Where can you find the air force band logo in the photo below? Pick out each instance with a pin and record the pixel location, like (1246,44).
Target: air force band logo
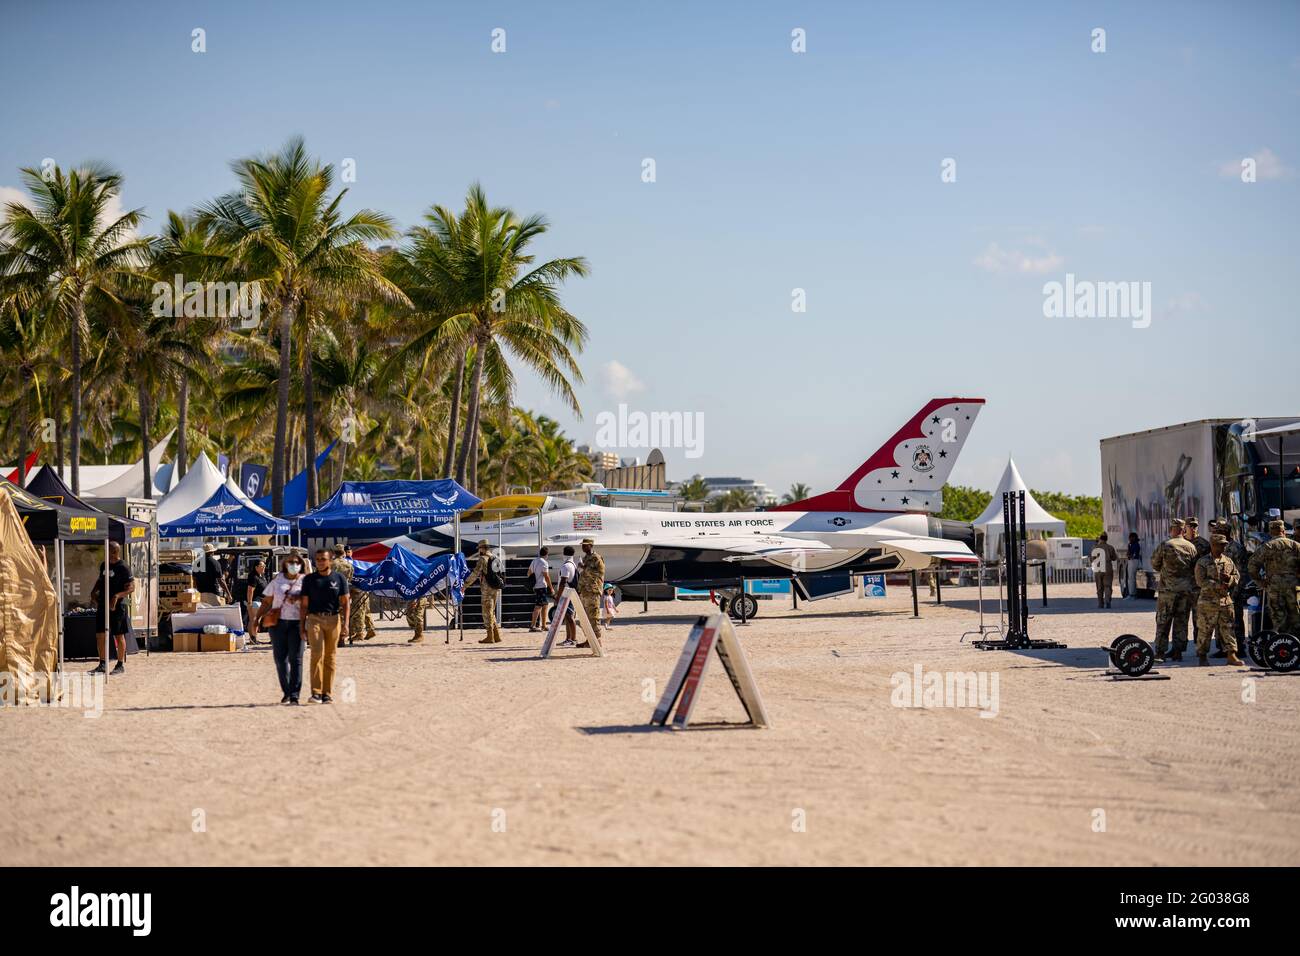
(922,459)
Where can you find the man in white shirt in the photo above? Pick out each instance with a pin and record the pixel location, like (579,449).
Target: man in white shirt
(540,571)
(568,575)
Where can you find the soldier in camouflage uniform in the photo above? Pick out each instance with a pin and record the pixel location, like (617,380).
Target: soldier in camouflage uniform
(415,617)
(591,582)
(343,565)
(1275,567)
(487,593)
(1192,532)
(1237,554)
(1216,575)
(1175,561)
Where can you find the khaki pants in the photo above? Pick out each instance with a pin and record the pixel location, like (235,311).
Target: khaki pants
(1105,581)
(323,637)
(488,603)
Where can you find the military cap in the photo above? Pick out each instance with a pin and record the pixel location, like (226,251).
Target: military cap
(1276,526)
(1176,524)
(483,545)
(1218,539)
(1192,522)
(590,541)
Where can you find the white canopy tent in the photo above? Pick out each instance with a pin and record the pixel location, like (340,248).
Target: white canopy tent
(117,481)
(1037,518)
(193,491)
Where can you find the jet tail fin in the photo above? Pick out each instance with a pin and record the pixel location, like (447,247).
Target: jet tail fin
(906,473)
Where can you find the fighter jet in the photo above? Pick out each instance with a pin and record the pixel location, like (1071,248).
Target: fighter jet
(882,517)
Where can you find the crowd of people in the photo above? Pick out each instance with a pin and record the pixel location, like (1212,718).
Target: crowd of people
(1205,581)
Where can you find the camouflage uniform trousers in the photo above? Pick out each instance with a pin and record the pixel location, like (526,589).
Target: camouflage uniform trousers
(1211,616)
(415,615)
(488,602)
(1172,608)
(359,618)
(1282,606)
(591,604)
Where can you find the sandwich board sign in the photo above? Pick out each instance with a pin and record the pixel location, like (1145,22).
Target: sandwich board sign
(563,603)
(709,634)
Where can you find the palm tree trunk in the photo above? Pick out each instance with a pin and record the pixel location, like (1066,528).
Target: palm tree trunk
(79,316)
(309,430)
(22,426)
(144,437)
(471,418)
(281,411)
(454,421)
(182,423)
(56,406)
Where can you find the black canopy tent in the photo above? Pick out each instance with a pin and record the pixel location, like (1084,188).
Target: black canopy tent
(47,522)
(47,484)
(50,524)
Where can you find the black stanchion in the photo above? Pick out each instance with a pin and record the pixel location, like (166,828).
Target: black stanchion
(1016,551)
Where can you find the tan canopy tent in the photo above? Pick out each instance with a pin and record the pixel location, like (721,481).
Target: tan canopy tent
(29,611)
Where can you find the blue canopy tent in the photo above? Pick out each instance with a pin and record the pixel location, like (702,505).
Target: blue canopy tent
(221,515)
(295,492)
(378,509)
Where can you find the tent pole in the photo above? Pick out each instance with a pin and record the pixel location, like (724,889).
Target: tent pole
(460,611)
(107,600)
(58,572)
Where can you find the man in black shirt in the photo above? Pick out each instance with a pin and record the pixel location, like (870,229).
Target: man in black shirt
(324,603)
(120,584)
(209,580)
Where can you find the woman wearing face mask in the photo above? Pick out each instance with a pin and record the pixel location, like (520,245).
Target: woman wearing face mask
(285,593)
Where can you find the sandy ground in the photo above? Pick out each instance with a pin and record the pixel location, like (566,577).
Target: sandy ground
(474,754)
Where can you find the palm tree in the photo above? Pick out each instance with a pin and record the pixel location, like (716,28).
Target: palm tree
(283,230)
(696,489)
(737,499)
(186,246)
(556,464)
(149,351)
(798,492)
(24,343)
(67,245)
(494,300)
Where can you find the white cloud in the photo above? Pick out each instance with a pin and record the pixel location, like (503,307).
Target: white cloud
(1268,165)
(112,212)
(619,380)
(996,259)
(9,194)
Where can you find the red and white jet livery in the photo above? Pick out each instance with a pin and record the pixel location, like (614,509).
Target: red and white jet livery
(881,518)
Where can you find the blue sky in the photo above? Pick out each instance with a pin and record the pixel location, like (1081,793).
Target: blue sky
(775,171)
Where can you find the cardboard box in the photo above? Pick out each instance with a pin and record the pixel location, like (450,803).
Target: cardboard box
(218,642)
(185,641)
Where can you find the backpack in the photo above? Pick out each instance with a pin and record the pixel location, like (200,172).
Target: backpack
(493,576)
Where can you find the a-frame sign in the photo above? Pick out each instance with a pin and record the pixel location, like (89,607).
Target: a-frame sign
(709,634)
(562,604)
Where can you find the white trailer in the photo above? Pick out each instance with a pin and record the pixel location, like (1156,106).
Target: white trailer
(1213,468)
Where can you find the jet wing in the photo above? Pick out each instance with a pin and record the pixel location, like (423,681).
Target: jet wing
(915,551)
